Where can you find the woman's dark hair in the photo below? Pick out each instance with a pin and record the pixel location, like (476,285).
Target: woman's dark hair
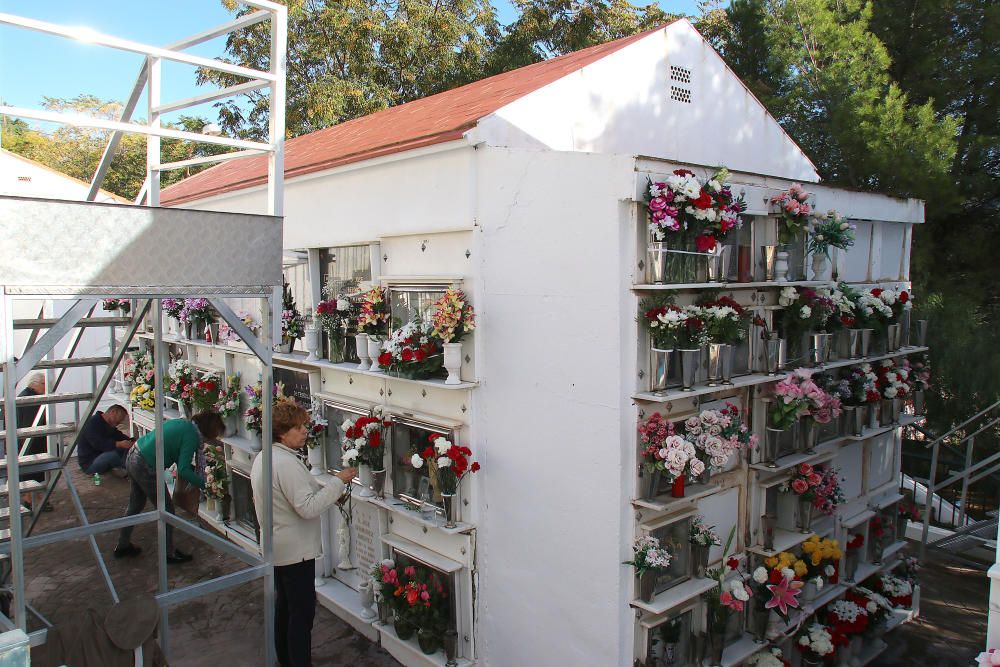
(286,416)
(209,424)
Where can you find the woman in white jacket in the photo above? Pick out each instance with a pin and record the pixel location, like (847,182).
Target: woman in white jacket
(299,500)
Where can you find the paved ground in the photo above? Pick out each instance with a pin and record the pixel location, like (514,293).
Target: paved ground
(951,629)
(221,630)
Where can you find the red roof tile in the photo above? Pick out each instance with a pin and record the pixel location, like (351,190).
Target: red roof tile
(424,122)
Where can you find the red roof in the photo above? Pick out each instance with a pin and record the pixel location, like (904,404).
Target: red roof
(424,122)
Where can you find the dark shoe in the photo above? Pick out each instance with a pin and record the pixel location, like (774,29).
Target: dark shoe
(178,557)
(129,551)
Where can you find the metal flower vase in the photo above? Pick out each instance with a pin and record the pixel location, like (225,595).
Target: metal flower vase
(772,443)
(728,364)
(646,585)
(885,412)
(808,436)
(864,344)
(450,509)
(809,590)
(768,256)
(759,618)
(775,353)
(659,368)
(699,559)
(901,524)
(803,517)
(850,343)
(851,560)
(378,483)
(919,402)
(690,365)
(768,524)
(873,422)
(891,337)
(187,329)
(651,487)
(922,333)
(657,254)
(716,641)
(716,351)
(213,332)
(450,644)
(718,264)
(856,416)
(904,328)
(819,348)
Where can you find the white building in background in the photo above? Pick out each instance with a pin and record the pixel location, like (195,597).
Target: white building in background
(526,190)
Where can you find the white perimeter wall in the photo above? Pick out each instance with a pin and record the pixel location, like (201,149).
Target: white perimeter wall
(550,408)
(622,104)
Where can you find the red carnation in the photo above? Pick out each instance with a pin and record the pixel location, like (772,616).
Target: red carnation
(703,201)
(407,354)
(904,297)
(419,355)
(475,467)
(384,359)
(877,292)
(374,438)
(683,172)
(704,243)
(428,453)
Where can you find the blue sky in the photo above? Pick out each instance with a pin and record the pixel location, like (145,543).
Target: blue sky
(34,65)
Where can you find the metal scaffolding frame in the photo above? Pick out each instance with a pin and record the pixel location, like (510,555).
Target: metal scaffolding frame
(16,279)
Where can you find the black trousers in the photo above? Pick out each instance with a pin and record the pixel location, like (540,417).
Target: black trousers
(294,613)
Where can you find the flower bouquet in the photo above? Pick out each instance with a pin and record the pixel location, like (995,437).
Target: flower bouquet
(172,307)
(730,596)
(229,397)
(898,591)
(702,539)
(447,465)
(793,211)
(253,416)
(875,605)
(718,435)
(121,305)
(205,393)
(317,425)
(411,351)
(649,559)
(373,319)
(180,384)
(421,606)
(364,446)
(806,321)
(829,232)
(216,479)
(846,617)
(822,557)
(453,317)
(228,335)
(816,643)
(142,396)
(726,321)
(665,452)
(200,314)
(771,657)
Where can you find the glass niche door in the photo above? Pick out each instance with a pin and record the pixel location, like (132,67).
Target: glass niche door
(336,414)
(669,643)
(407,302)
(409,437)
(674,535)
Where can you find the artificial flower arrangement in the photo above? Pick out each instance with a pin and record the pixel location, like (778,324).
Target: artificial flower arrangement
(892,380)
(373,318)
(879,301)
(672,327)
(364,439)
(771,657)
(216,479)
(172,307)
(731,594)
(453,317)
(197,309)
(919,372)
(816,484)
(908,569)
(794,210)
(180,381)
(821,556)
(829,232)
(843,307)
(292,325)
(205,393)
(684,206)
(139,368)
(846,617)
(875,605)
(142,396)
(799,396)
(412,351)
(702,535)
(226,332)
(124,305)
(726,321)
(447,464)
(333,314)
(899,592)
(816,642)
(778,583)
(228,403)
(648,555)
(665,451)
(253,416)
(895,301)
(317,424)
(420,599)
(717,435)
(863,384)
(805,310)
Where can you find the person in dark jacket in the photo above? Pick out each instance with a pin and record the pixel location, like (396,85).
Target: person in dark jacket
(102,447)
(181,441)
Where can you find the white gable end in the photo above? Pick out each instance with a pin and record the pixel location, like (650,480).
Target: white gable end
(668,95)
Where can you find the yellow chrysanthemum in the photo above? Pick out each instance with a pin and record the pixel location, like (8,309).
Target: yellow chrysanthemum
(771,562)
(800,568)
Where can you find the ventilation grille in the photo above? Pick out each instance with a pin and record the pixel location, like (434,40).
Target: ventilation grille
(680,94)
(680,74)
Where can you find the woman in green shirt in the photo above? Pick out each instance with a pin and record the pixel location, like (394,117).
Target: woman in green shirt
(181,441)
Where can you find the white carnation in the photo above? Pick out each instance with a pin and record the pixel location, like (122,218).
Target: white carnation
(416,461)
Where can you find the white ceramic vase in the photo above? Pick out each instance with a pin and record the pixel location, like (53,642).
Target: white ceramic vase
(453,362)
(374,349)
(361,342)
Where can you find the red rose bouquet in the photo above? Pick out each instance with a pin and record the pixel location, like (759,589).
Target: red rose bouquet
(447,463)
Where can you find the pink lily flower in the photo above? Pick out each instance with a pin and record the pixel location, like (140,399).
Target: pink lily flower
(783,595)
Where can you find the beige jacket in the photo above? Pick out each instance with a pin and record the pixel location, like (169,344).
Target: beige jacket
(299,500)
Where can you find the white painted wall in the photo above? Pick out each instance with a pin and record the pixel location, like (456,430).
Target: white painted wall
(549,412)
(26,178)
(622,104)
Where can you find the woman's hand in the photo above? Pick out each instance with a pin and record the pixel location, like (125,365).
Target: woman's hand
(347,474)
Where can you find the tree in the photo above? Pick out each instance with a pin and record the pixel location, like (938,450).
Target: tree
(76,151)
(352,58)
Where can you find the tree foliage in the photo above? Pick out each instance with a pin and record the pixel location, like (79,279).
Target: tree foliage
(76,151)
